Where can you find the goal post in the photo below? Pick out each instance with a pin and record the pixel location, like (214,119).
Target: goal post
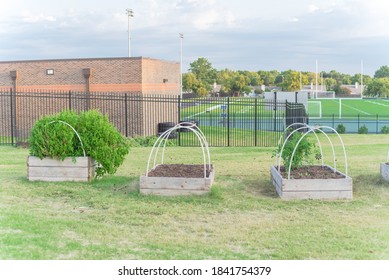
(340,108)
(315,106)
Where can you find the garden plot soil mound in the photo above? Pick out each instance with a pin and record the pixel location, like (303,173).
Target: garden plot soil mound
(311,172)
(179,170)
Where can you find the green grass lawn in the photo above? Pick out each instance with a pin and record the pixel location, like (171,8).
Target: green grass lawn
(350,107)
(240,108)
(242,217)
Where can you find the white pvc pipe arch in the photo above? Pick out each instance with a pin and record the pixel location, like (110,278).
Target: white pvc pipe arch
(78,136)
(311,129)
(162,140)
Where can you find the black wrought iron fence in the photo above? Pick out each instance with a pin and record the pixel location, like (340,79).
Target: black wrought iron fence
(224,121)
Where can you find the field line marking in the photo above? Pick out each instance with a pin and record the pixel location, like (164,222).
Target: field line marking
(377,103)
(207,110)
(351,107)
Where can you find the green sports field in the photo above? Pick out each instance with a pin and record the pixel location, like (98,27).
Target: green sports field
(365,108)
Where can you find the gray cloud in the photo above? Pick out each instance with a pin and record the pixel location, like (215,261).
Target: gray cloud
(250,35)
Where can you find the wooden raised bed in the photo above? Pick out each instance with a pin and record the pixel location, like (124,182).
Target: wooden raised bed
(177,179)
(166,185)
(312,181)
(329,188)
(384,171)
(82,169)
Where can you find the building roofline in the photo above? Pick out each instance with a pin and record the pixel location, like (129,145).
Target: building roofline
(84,59)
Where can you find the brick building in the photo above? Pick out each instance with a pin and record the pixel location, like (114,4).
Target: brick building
(137,75)
(136,93)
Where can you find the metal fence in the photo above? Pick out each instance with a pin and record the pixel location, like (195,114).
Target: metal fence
(224,121)
(374,124)
(239,121)
(132,115)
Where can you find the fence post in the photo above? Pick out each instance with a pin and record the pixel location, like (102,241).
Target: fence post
(228,121)
(70,100)
(376,125)
(126,113)
(333,121)
(255,121)
(275,111)
(12,117)
(179,119)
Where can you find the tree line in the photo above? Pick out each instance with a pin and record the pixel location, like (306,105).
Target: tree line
(202,80)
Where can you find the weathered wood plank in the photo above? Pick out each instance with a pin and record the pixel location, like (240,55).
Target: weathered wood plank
(340,188)
(175,185)
(67,162)
(167,192)
(318,195)
(53,170)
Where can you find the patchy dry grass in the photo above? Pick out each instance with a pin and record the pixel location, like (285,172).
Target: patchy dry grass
(242,217)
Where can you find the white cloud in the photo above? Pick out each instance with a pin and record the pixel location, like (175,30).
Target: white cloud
(30,17)
(313,8)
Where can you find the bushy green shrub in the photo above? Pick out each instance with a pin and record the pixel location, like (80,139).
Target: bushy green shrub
(341,129)
(100,139)
(302,153)
(147,141)
(51,138)
(363,130)
(385,130)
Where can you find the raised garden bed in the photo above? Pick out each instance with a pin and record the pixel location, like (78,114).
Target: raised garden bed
(384,171)
(312,182)
(308,181)
(177,179)
(79,169)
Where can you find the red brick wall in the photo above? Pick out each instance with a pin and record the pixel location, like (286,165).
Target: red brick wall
(133,75)
(156,77)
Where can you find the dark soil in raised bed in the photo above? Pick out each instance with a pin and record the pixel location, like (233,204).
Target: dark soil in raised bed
(311,172)
(179,170)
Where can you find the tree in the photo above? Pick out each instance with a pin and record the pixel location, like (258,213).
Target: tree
(330,83)
(383,72)
(189,82)
(204,72)
(292,81)
(234,83)
(254,77)
(224,78)
(240,84)
(346,80)
(378,88)
(268,77)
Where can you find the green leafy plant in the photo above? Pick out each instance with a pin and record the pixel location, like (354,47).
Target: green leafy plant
(363,130)
(341,129)
(302,153)
(147,141)
(385,130)
(52,137)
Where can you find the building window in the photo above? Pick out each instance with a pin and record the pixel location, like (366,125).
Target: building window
(49,71)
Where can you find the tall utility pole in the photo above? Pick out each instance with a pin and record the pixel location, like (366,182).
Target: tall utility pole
(362,78)
(317,70)
(181,38)
(130,13)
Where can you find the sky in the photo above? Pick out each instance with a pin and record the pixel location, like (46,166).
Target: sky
(349,36)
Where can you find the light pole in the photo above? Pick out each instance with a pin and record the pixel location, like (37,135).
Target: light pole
(361,78)
(181,38)
(130,13)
